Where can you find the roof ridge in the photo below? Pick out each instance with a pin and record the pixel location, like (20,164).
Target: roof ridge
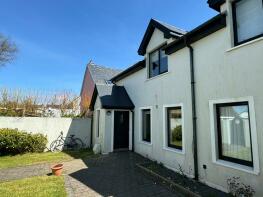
(104,67)
(169,31)
(167,24)
(102,74)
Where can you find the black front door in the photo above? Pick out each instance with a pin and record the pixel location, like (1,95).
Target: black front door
(121,129)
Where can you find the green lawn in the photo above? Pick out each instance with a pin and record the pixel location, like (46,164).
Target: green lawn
(42,186)
(237,151)
(177,143)
(37,158)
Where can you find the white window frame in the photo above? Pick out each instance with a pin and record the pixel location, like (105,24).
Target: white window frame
(165,142)
(140,125)
(214,138)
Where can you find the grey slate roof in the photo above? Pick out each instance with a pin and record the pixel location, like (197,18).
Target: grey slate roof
(172,28)
(169,31)
(114,97)
(101,74)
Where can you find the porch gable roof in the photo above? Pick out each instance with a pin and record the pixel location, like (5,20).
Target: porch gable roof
(114,97)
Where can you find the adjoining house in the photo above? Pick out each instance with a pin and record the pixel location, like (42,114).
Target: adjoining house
(195,100)
(94,74)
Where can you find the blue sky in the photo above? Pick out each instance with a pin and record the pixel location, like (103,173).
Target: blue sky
(57,38)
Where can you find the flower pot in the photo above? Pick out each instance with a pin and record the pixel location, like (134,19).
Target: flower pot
(57,169)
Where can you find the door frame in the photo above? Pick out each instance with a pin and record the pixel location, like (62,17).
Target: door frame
(130,128)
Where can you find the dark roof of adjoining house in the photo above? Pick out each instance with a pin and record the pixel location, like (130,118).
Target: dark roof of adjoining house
(214,24)
(101,74)
(132,69)
(114,97)
(215,4)
(168,30)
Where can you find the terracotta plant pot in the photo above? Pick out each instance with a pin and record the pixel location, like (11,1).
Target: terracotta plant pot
(57,169)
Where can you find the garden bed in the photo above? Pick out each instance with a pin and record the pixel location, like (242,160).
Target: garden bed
(179,182)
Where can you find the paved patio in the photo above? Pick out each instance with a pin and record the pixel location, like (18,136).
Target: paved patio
(113,175)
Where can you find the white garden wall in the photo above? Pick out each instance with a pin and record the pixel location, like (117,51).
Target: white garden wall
(51,127)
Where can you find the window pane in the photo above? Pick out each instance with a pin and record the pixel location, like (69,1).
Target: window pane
(154,64)
(235,131)
(163,62)
(249,19)
(98,123)
(174,125)
(146,125)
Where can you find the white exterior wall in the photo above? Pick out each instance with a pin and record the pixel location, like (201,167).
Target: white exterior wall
(101,124)
(106,124)
(171,88)
(222,72)
(51,127)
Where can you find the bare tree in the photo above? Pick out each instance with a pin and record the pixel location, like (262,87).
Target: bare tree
(37,103)
(68,103)
(8,50)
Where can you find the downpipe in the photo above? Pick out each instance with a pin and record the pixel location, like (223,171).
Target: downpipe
(194,117)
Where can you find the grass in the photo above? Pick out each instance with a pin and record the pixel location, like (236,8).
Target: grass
(177,143)
(37,158)
(41,186)
(237,151)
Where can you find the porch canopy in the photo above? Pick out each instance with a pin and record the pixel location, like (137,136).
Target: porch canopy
(114,97)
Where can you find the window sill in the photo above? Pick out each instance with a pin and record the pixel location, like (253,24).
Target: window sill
(245,44)
(146,143)
(181,152)
(157,76)
(236,166)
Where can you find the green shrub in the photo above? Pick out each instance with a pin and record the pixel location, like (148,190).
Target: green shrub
(177,133)
(14,142)
(11,113)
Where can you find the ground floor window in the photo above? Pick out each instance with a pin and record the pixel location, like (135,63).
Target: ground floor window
(98,124)
(234,132)
(174,127)
(146,125)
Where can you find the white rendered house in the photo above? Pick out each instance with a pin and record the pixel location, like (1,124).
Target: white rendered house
(195,100)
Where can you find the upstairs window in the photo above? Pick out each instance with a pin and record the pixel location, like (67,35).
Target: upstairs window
(247,20)
(158,63)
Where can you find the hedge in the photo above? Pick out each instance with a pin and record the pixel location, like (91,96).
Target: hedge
(177,133)
(13,141)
